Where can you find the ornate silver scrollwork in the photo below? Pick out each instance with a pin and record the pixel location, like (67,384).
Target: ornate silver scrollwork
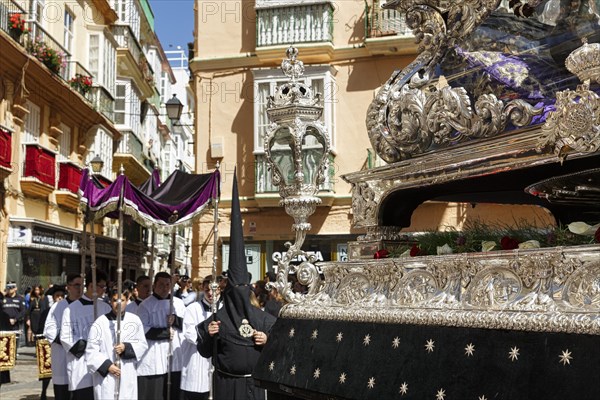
(575,125)
(410,114)
(419,118)
(295,136)
(546,290)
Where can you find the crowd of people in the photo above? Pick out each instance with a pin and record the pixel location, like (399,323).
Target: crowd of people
(166,340)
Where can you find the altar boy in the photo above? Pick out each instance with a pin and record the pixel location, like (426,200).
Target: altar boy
(101,351)
(77,320)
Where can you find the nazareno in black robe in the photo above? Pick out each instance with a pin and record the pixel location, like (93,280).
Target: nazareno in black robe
(235,355)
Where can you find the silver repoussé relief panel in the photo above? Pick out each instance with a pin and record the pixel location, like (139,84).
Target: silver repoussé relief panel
(549,290)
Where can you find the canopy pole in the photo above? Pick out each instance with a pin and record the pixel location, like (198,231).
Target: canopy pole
(173,218)
(83,245)
(152,248)
(119,286)
(214,284)
(93,266)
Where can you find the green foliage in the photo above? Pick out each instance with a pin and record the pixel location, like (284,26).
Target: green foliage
(474,233)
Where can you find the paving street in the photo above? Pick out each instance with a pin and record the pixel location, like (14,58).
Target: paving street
(24,383)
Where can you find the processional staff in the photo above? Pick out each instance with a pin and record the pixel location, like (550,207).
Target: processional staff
(119,284)
(172,220)
(214,285)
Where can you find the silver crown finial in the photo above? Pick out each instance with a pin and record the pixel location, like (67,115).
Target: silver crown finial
(292,67)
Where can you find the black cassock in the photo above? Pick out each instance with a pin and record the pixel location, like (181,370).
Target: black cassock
(236,355)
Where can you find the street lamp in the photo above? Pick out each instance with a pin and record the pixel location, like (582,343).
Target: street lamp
(97,164)
(174,109)
(297,146)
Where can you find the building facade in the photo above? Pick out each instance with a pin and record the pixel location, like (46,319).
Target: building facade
(349,49)
(78,80)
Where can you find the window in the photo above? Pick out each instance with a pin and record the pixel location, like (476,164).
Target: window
(102,146)
(32,124)
(166,153)
(36,11)
(68,39)
(129,14)
(163,86)
(322,81)
(102,58)
(65,143)
(120,101)
(127,106)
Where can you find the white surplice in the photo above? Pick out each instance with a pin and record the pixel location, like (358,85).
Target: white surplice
(153,313)
(100,354)
(52,333)
(194,375)
(78,318)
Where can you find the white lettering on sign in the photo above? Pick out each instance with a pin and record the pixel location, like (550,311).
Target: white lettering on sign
(277,255)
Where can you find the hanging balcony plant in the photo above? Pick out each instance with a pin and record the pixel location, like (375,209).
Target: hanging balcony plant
(51,58)
(81,83)
(17,26)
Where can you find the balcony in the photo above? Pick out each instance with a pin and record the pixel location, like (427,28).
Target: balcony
(5,152)
(308,26)
(131,60)
(69,177)
(130,154)
(39,35)
(102,101)
(267,194)
(76,68)
(387,32)
(39,171)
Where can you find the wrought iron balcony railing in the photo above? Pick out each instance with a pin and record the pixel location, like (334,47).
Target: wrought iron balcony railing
(294,24)
(8,8)
(103,101)
(75,67)
(37,35)
(130,144)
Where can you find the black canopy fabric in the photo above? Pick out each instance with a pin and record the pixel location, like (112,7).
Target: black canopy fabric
(175,203)
(151,184)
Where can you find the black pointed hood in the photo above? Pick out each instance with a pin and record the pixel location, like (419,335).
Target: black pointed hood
(236,297)
(237,273)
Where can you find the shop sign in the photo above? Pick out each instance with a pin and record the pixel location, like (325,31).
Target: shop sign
(105,247)
(52,238)
(277,255)
(342,251)
(19,234)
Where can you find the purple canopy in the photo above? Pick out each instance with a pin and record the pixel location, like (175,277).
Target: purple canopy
(174,204)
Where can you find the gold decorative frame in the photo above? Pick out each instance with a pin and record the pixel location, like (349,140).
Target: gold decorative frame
(44,359)
(8,350)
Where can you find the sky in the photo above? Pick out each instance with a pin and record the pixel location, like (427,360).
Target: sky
(173,22)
